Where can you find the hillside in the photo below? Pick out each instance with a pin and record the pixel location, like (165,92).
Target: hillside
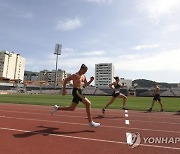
(149,83)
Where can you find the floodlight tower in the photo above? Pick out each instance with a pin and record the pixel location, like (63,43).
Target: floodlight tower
(57,52)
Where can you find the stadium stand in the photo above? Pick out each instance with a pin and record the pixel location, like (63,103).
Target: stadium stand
(140,91)
(100,92)
(174,92)
(150,92)
(109,91)
(10,88)
(167,93)
(89,90)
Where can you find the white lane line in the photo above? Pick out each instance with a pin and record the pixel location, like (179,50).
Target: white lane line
(78,112)
(115,127)
(47,114)
(128,135)
(171,123)
(83,138)
(74,116)
(58,135)
(127,122)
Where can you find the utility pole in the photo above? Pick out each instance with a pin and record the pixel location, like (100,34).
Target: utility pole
(57,52)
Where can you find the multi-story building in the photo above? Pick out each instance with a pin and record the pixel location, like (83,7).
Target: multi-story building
(50,76)
(12,65)
(104,73)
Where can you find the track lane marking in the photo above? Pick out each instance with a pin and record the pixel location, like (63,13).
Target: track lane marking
(83,138)
(94,112)
(106,126)
(64,115)
(127,122)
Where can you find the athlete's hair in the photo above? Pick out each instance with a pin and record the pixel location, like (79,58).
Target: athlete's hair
(116,77)
(83,66)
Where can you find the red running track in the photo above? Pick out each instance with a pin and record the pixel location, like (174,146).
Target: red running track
(30,129)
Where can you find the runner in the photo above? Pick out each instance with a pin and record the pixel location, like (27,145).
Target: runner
(156,98)
(79,79)
(115,86)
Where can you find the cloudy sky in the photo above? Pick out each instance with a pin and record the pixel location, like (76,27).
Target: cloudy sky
(140,37)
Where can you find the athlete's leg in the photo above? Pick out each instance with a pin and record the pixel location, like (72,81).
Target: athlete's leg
(152,104)
(124,99)
(66,108)
(87,103)
(161,105)
(69,108)
(110,102)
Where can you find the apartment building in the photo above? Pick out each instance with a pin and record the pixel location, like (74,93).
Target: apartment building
(50,76)
(104,73)
(12,65)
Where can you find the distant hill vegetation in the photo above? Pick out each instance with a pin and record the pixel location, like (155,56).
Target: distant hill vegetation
(148,83)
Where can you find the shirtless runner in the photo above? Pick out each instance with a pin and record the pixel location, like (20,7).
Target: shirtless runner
(79,79)
(156,98)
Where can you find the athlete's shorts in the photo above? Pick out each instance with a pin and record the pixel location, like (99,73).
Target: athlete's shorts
(157,97)
(77,95)
(115,94)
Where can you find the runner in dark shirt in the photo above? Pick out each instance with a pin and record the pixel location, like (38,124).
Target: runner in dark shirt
(116,86)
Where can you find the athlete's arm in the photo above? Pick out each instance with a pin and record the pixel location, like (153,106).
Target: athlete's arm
(123,85)
(65,82)
(89,82)
(111,86)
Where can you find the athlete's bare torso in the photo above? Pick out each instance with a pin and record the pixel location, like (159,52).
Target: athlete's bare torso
(78,80)
(156,89)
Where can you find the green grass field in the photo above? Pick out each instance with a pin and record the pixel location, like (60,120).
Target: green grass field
(133,103)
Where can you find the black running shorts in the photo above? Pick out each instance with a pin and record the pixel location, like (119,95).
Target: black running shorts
(77,95)
(114,94)
(157,97)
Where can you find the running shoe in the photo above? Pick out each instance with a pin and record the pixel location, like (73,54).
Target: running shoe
(54,109)
(103,110)
(94,124)
(149,110)
(161,110)
(124,108)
